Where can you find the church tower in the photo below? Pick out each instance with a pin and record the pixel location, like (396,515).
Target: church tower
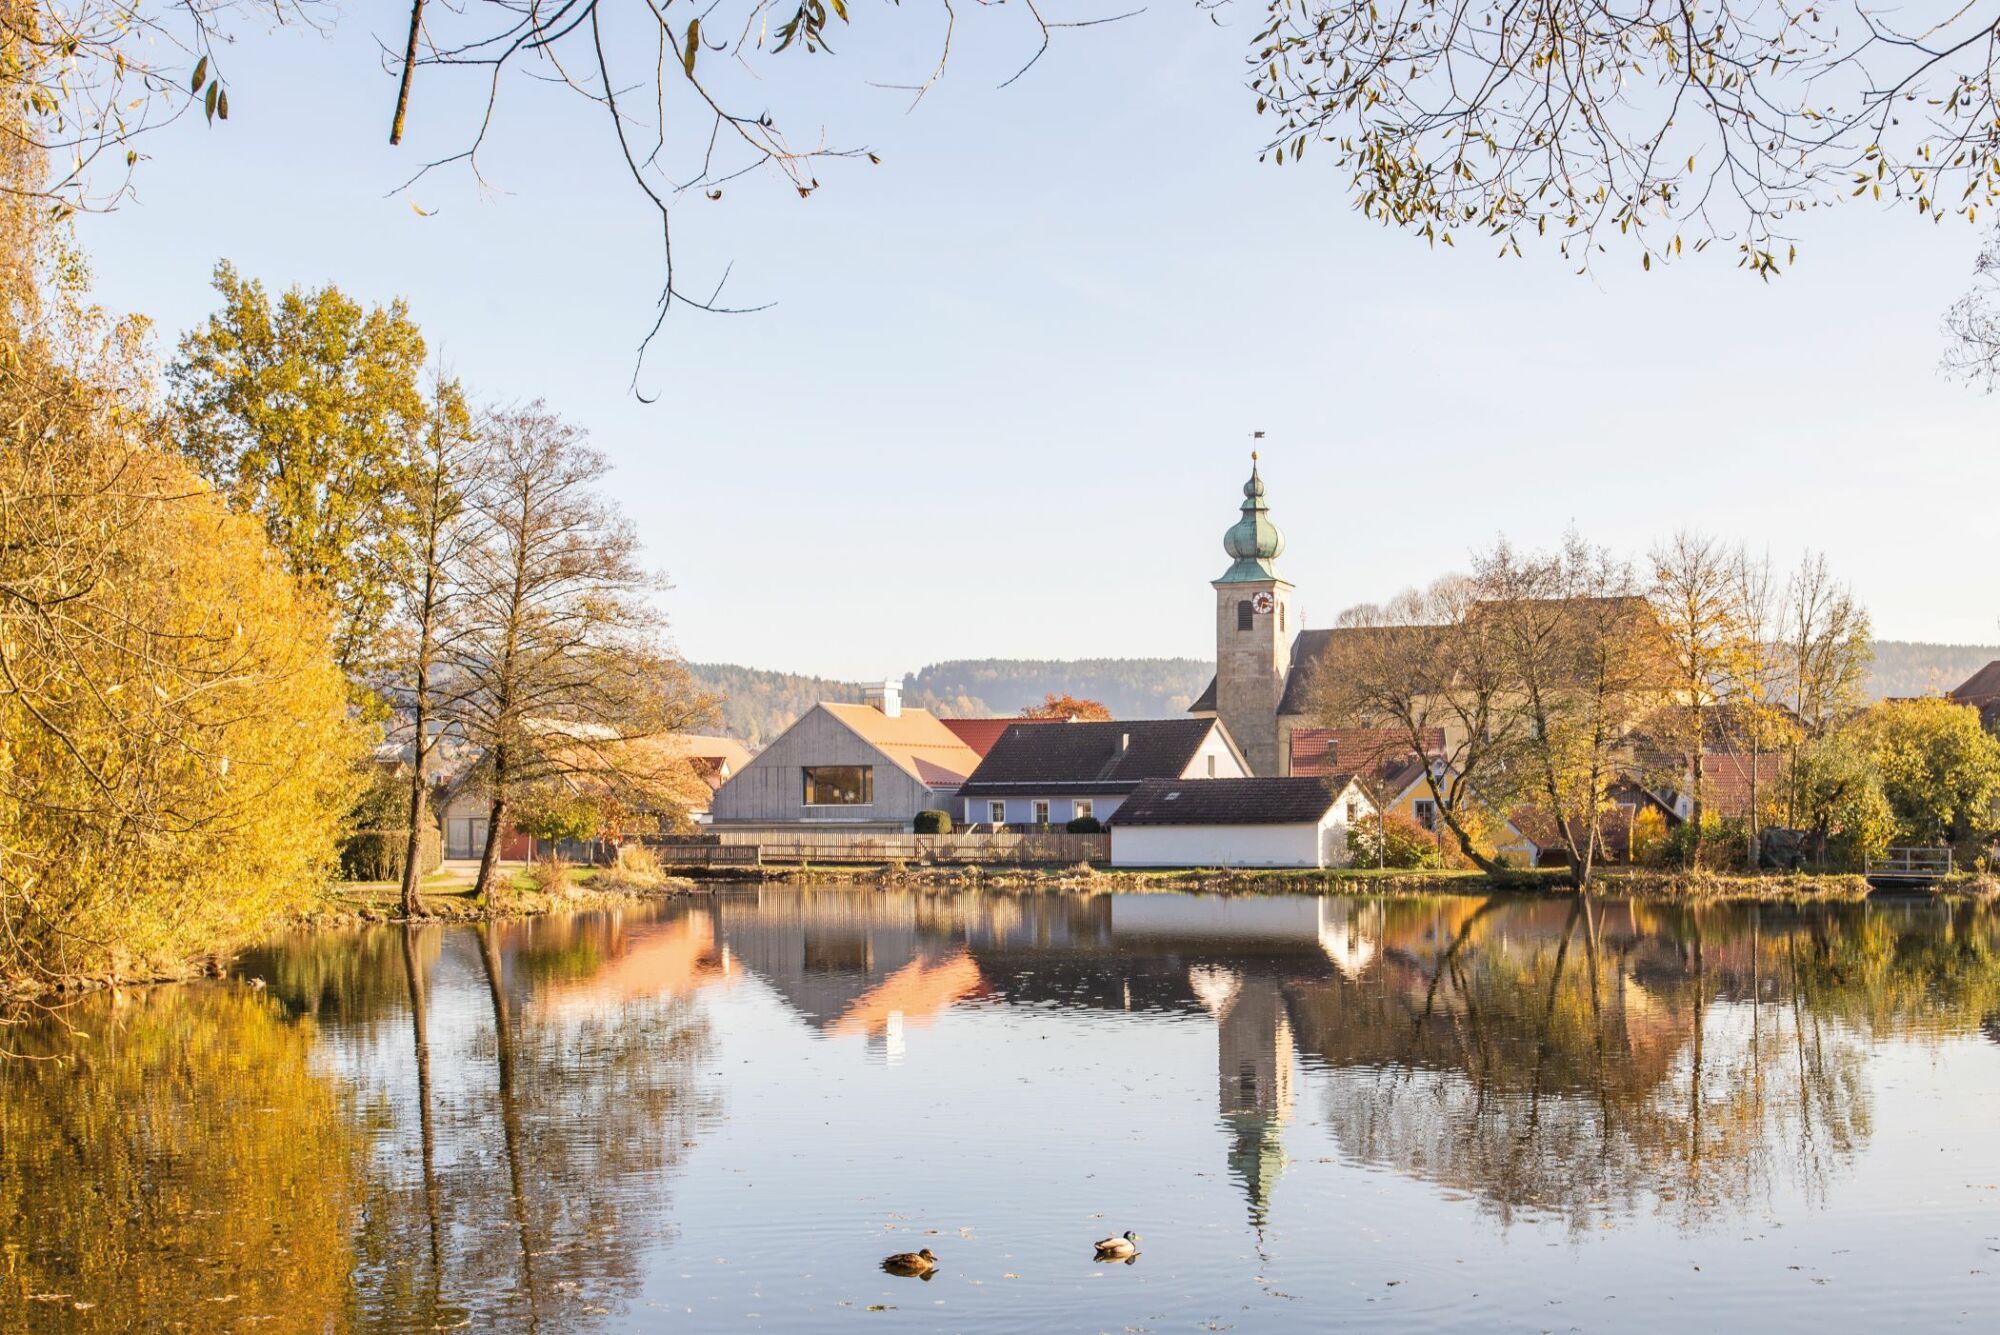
(1254,625)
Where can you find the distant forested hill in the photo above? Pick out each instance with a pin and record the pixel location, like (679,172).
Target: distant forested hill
(1904,667)
(758,705)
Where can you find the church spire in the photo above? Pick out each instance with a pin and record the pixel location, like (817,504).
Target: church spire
(1253,541)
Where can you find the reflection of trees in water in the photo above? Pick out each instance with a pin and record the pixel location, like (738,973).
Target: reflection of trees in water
(1582,1059)
(548,1172)
(173,1162)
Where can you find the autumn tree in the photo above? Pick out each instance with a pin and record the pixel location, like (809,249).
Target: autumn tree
(1659,130)
(1067,706)
(1825,651)
(1426,662)
(1582,664)
(1694,600)
(1939,768)
(174,749)
(444,529)
(562,663)
(309,413)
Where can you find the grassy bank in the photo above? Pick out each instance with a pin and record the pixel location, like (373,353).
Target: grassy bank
(1674,886)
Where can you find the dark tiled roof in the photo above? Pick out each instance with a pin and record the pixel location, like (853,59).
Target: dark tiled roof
(1308,652)
(1982,687)
(1230,801)
(1086,757)
(1205,702)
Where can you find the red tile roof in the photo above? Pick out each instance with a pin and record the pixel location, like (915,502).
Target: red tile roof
(1726,780)
(1370,751)
(981,733)
(1982,687)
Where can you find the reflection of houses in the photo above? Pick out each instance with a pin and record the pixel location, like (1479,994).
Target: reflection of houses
(869,766)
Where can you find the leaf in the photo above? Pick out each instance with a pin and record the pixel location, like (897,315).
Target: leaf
(693,43)
(200,75)
(222,104)
(840,8)
(208,102)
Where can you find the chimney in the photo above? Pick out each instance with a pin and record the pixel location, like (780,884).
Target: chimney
(888,697)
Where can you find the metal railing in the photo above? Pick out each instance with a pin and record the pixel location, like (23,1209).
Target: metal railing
(1912,864)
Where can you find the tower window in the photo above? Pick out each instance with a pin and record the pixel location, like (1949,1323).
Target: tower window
(1244,614)
(1281,616)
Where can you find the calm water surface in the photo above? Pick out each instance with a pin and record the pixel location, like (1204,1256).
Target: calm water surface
(721,1113)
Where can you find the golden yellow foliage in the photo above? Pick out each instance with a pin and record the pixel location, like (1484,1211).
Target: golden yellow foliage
(174,1163)
(175,752)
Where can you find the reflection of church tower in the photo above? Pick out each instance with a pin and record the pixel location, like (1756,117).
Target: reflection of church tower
(1253,1081)
(1254,625)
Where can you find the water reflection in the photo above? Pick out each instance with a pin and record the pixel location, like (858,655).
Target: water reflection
(491,1127)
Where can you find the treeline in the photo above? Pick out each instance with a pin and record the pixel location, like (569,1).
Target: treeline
(758,704)
(217,590)
(1564,680)
(1910,668)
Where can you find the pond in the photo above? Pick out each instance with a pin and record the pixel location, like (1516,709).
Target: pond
(723,1112)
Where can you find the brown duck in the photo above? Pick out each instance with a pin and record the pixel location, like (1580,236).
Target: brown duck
(919,1264)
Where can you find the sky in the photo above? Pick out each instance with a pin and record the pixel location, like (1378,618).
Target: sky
(1000,403)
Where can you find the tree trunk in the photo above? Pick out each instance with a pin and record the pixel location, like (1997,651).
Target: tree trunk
(489,856)
(419,813)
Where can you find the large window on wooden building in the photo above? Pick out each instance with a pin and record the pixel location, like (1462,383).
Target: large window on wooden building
(840,785)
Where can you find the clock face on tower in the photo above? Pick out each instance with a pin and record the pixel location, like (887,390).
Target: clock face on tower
(1264,602)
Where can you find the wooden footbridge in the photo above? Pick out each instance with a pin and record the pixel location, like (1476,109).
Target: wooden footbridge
(1909,868)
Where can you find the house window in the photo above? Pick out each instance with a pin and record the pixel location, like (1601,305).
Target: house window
(1427,814)
(840,785)
(996,812)
(1211,764)
(1085,808)
(1353,811)
(1041,811)
(1245,615)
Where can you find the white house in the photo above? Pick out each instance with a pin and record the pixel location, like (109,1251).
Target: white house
(1238,822)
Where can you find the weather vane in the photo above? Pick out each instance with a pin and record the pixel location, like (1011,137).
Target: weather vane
(1255,435)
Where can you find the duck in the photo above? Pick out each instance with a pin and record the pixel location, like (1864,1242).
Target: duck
(1118,1248)
(919,1263)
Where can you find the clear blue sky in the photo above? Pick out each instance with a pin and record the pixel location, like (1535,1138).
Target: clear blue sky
(1001,406)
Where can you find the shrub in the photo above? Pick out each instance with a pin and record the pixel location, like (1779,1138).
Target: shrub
(932,822)
(1725,844)
(378,836)
(1085,825)
(1408,845)
(550,875)
(637,866)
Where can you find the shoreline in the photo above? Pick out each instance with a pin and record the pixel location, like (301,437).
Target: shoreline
(349,906)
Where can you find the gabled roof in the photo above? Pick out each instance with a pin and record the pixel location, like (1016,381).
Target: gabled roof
(1231,801)
(1086,758)
(911,739)
(1982,687)
(1370,751)
(981,733)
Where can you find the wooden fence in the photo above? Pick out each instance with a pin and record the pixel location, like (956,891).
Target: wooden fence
(752,848)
